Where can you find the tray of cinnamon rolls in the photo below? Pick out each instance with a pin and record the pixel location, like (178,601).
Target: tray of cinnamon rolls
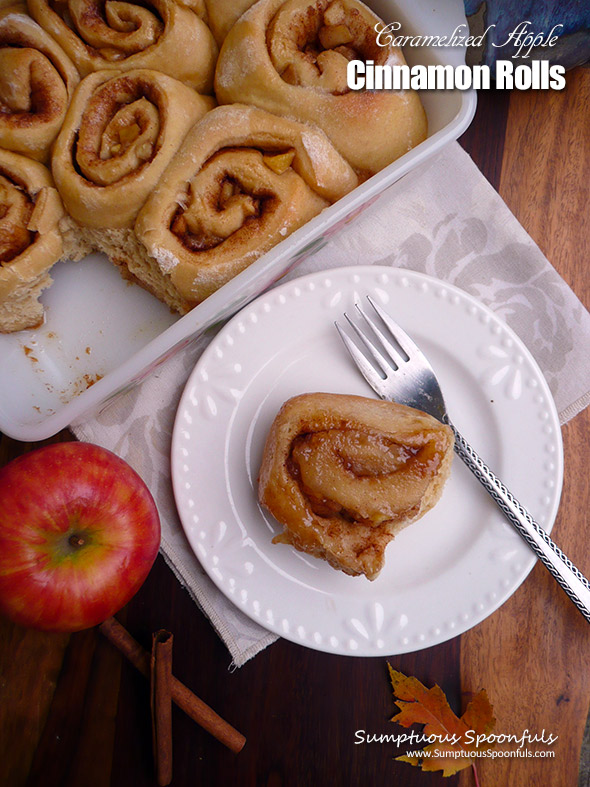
(196,149)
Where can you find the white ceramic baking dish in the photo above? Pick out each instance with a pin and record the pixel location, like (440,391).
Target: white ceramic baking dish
(102,335)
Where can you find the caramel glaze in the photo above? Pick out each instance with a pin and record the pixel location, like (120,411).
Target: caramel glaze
(344,474)
(15,211)
(388,460)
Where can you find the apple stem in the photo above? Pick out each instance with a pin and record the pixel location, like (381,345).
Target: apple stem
(76,540)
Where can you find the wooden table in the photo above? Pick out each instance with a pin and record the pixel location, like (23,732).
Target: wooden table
(73,714)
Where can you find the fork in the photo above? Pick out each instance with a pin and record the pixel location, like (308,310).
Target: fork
(403,374)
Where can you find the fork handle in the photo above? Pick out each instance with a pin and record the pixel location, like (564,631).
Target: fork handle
(559,565)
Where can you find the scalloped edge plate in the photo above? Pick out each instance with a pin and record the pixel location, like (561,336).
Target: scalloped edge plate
(445,573)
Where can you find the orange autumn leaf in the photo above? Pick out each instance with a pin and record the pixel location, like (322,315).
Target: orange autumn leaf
(453,746)
(479,714)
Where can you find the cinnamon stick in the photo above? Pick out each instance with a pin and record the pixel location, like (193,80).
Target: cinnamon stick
(194,707)
(161,704)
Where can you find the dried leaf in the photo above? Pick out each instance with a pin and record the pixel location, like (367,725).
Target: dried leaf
(452,746)
(479,714)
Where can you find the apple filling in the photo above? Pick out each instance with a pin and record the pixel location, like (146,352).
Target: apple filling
(312,44)
(121,130)
(361,476)
(236,190)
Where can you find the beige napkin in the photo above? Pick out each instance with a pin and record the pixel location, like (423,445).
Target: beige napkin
(443,219)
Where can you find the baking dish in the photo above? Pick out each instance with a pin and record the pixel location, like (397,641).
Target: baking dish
(102,335)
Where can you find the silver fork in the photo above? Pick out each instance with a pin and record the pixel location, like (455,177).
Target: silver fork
(403,374)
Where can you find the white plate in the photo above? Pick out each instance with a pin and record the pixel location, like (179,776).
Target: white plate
(443,574)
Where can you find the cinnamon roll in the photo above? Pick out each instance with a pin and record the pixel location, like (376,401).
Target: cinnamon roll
(37,80)
(165,35)
(120,133)
(343,474)
(242,181)
(30,242)
(291,56)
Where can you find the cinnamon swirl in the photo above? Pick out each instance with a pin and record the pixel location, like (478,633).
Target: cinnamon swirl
(37,80)
(242,181)
(343,474)
(30,242)
(120,133)
(291,56)
(164,35)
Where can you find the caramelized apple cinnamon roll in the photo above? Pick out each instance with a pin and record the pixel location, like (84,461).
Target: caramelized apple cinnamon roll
(120,133)
(30,242)
(164,35)
(37,80)
(343,474)
(291,57)
(242,181)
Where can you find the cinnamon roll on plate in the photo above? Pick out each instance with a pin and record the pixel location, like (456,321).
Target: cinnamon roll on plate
(344,474)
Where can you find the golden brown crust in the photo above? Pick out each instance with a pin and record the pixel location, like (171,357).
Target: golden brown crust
(242,181)
(120,133)
(30,242)
(164,35)
(344,474)
(290,57)
(222,14)
(37,80)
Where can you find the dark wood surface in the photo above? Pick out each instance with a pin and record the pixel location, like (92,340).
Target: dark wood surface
(73,713)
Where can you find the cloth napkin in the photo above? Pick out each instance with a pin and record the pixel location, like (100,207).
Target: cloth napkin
(443,219)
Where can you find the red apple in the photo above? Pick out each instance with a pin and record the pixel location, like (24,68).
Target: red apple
(79,532)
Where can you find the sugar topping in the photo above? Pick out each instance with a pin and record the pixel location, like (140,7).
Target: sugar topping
(165,259)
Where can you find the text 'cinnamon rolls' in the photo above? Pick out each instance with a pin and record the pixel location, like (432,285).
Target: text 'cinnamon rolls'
(242,181)
(37,80)
(164,35)
(343,474)
(291,57)
(30,242)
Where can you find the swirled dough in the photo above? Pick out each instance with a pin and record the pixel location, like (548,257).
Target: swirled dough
(242,181)
(30,241)
(343,474)
(37,80)
(119,135)
(291,56)
(165,35)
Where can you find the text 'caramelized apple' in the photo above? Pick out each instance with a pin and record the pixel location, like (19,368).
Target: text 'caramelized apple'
(344,474)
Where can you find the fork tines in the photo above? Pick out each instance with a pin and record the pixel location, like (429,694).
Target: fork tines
(409,347)
(371,375)
(385,354)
